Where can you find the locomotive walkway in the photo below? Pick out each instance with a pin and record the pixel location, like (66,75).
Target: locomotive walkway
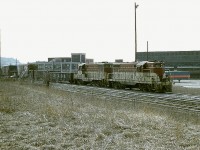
(178,101)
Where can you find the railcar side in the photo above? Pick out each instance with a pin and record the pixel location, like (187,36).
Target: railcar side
(94,74)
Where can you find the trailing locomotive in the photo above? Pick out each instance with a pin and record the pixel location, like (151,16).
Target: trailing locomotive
(147,76)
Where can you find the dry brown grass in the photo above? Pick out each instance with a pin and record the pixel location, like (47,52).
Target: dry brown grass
(36,117)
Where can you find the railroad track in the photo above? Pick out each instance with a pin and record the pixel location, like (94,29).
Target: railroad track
(177,101)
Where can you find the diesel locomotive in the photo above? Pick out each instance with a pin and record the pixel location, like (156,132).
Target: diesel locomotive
(145,75)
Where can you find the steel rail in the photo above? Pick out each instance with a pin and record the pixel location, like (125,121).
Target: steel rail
(178,101)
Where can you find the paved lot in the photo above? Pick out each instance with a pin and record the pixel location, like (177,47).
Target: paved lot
(188,83)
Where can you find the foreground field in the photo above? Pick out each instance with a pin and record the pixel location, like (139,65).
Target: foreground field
(36,117)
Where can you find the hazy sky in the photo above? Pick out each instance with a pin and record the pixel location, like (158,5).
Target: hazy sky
(34,30)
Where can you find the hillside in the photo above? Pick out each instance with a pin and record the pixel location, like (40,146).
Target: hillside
(8,61)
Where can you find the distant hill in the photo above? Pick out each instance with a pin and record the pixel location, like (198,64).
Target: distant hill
(8,61)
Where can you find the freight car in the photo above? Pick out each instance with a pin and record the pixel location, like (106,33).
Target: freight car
(178,75)
(58,71)
(147,76)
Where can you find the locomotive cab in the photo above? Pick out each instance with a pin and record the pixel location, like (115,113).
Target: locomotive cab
(153,74)
(81,69)
(141,66)
(156,67)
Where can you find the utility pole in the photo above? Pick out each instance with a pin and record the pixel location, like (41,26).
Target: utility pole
(0,54)
(136,6)
(147,50)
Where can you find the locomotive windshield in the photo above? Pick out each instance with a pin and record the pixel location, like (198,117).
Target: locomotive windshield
(81,67)
(156,64)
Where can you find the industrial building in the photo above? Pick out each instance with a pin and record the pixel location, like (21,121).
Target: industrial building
(175,60)
(75,57)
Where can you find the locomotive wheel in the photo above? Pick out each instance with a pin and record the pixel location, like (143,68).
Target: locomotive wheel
(93,83)
(149,87)
(110,85)
(115,85)
(145,87)
(119,86)
(123,87)
(164,90)
(140,87)
(80,82)
(100,84)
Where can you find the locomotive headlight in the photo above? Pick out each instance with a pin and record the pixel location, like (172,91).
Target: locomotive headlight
(79,72)
(164,75)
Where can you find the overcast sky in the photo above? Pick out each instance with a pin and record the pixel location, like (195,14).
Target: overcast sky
(33,30)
